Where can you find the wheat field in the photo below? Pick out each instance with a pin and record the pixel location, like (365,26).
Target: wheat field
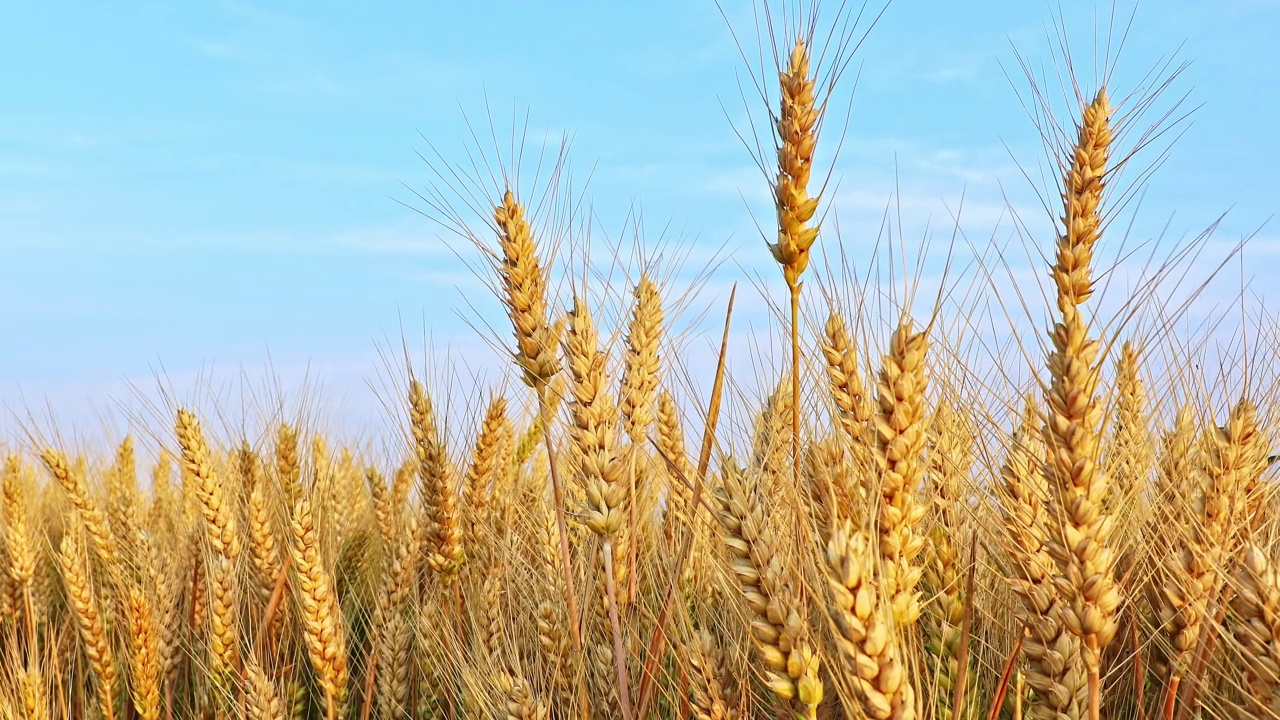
(888,527)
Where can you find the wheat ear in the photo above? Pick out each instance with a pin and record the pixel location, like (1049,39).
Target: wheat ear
(951,441)
(524,282)
(777,626)
(601,471)
(89,620)
(867,634)
(445,553)
(72,479)
(223,541)
(901,437)
(1257,629)
(1081,545)
(144,660)
(1051,652)
(262,701)
(18,540)
(322,624)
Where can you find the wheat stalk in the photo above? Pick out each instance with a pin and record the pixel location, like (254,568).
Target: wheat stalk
(797,128)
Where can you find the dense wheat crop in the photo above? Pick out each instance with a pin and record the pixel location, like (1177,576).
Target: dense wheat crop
(901,530)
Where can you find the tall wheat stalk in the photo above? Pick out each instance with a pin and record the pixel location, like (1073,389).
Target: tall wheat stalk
(797,123)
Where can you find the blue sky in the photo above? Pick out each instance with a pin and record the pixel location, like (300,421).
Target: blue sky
(209,187)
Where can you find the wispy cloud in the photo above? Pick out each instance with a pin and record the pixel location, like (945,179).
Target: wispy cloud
(220,50)
(959,67)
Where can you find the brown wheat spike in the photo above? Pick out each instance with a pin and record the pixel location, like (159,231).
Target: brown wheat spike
(380,496)
(1080,544)
(223,540)
(601,472)
(773,430)
(1177,489)
(17,536)
(520,703)
(480,492)
(9,603)
(950,463)
(322,623)
(1208,540)
(829,476)
(122,495)
(797,128)
(392,621)
(445,553)
(72,480)
(33,697)
(797,137)
(171,580)
(844,378)
(524,281)
(263,550)
(1129,455)
(900,426)
(636,396)
(402,485)
(288,463)
(1257,630)
(867,634)
(594,427)
(505,488)
(675,459)
(160,514)
(88,618)
(640,370)
(553,639)
(262,701)
(144,660)
(1178,469)
(1242,446)
(706,669)
(777,626)
(1051,652)
(492,619)
(1231,505)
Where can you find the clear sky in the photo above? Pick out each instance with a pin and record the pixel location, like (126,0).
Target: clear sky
(206,186)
